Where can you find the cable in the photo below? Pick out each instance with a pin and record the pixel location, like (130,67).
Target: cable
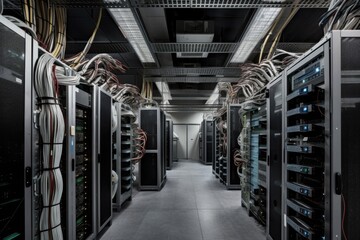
(343,216)
(52,128)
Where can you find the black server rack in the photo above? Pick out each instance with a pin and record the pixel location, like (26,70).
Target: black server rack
(169,144)
(201,144)
(152,168)
(245,170)
(104,158)
(15,125)
(322,114)
(123,154)
(345,134)
(306,157)
(207,139)
(258,154)
(233,130)
(275,159)
(253,150)
(222,159)
(83,200)
(216,149)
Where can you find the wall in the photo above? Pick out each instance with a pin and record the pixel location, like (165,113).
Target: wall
(188,145)
(186,117)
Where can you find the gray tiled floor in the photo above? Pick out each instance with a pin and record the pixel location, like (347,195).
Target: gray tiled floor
(193,205)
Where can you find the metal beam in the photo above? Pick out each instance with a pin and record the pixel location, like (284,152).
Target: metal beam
(189,3)
(183,98)
(193,72)
(194,47)
(192,79)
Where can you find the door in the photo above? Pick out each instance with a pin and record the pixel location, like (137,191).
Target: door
(193,142)
(181,131)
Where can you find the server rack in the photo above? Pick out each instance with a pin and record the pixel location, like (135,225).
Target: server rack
(82,191)
(275,158)
(201,145)
(152,168)
(15,154)
(345,89)
(234,128)
(258,154)
(307,149)
(104,157)
(245,171)
(223,168)
(216,149)
(322,90)
(169,143)
(207,141)
(123,154)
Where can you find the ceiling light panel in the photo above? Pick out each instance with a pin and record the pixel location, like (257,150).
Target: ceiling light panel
(259,26)
(128,25)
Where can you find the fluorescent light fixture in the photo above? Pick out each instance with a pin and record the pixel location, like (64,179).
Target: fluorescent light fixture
(128,25)
(214,96)
(255,32)
(164,91)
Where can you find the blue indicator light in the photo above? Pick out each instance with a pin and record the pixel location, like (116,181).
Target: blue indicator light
(303,81)
(317,69)
(305,90)
(305,149)
(305,109)
(305,127)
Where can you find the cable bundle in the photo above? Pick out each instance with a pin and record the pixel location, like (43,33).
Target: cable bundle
(139,139)
(49,23)
(342,15)
(48,77)
(52,127)
(256,76)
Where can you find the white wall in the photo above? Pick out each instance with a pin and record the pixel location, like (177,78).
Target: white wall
(186,117)
(188,146)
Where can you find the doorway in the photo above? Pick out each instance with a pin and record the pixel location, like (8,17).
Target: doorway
(188,144)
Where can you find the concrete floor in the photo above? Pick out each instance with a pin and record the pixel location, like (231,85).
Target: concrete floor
(193,205)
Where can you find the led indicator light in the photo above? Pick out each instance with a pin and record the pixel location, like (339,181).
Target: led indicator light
(305,90)
(317,69)
(305,109)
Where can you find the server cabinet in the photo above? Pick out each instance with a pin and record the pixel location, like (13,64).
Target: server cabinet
(169,143)
(216,149)
(274,159)
(234,128)
(207,141)
(84,193)
(307,158)
(104,157)
(15,125)
(345,164)
(123,154)
(152,168)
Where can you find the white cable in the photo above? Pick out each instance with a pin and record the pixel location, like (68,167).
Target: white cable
(52,127)
(114,122)
(114,183)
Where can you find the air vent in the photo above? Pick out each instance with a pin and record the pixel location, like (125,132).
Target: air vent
(192,55)
(194,32)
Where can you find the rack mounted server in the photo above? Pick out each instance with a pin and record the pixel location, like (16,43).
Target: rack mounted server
(234,127)
(321,112)
(123,154)
(169,144)
(207,136)
(152,168)
(275,168)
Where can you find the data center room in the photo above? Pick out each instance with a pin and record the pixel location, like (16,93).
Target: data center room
(179,119)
